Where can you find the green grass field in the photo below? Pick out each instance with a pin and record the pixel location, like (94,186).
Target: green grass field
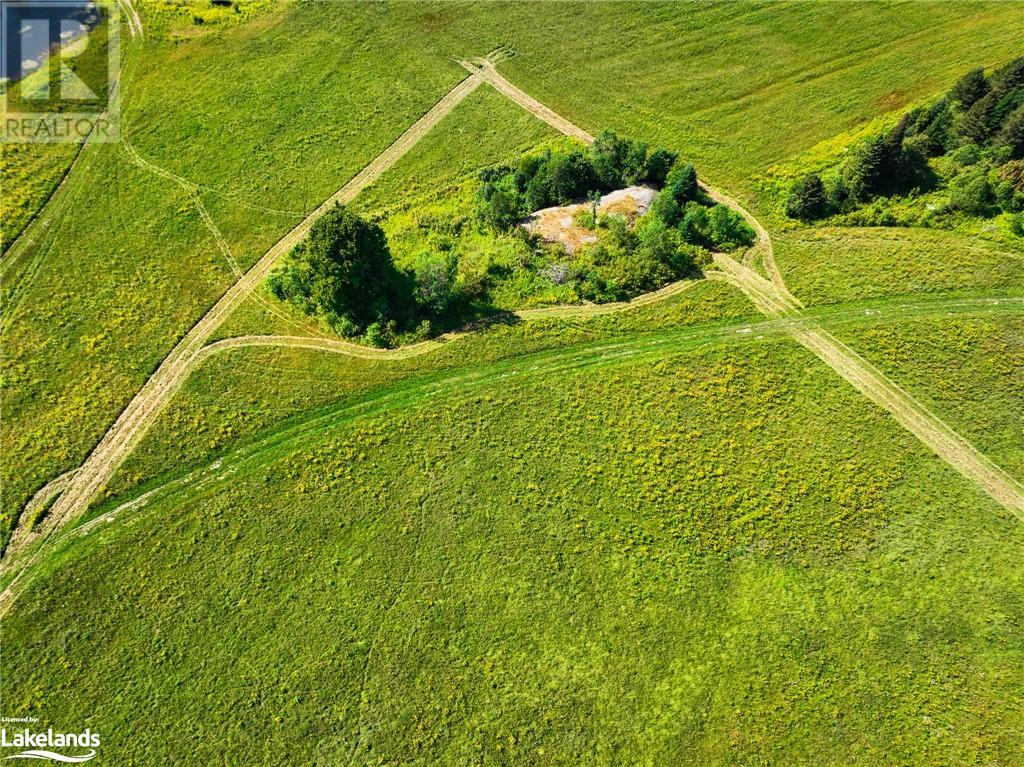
(663,535)
(29,173)
(970,370)
(832,265)
(429,595)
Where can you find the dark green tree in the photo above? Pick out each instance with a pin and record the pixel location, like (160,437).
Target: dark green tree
(499,202)
(659,163)
(1008,77)
(682,182)
(1012,134)
(608,155)
(865,175)
(969,88)
(806,199)
(570,176)
(343,269)
(635,167)
(975,126)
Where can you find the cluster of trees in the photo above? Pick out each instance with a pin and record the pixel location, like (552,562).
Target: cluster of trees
(978,126)
(681,205)
(343,275)
(508,193)
(666,243)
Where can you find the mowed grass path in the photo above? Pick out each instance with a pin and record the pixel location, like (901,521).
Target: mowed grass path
(296,139)
(445,586)
(970,369)
(129,266)
(720,555)
(736,87)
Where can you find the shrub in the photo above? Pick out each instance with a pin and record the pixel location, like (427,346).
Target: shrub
(682,182)
(806,199)
(971,192)
(659,163)
(665,208)
(693,227)
(665,245)
(375,336)
(435,282)
(728,229)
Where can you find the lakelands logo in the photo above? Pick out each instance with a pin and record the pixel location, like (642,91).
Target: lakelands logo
(39,745)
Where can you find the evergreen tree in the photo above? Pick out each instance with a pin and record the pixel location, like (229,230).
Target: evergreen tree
(807,199)
(969,88)
(1012,134)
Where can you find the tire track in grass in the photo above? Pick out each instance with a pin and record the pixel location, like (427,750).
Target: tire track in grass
(769,295)
(150,401)
(486,69)
(193,191)
(774,300)
(466,383)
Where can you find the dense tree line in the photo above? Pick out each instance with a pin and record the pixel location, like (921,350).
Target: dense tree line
(978,126)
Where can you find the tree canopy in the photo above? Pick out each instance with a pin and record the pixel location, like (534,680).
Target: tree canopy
(342,273)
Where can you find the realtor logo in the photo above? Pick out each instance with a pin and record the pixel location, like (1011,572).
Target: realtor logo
(59,70)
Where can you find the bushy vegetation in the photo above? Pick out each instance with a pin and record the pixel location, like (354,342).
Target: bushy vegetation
(668,242)
(332,568)
(170,16)
(344,275)
(697,220)
(508,193)
(969,144)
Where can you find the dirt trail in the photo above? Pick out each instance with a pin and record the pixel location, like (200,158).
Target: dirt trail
(147,404)
(134,22)
(762,249)
(769,295)
(773,298)
(21,570)
(485,69)
(873,384)
(423,347)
